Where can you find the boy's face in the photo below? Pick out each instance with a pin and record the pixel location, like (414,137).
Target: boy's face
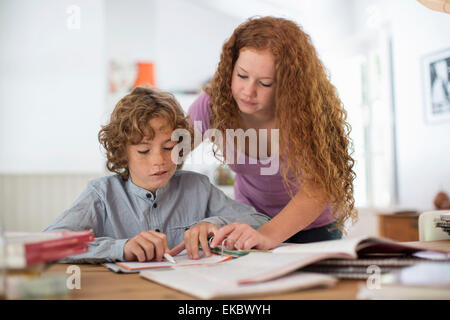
(149,161)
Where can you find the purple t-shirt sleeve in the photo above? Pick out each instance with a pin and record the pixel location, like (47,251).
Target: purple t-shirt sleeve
(200,111)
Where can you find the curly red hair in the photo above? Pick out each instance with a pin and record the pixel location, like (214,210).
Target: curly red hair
(314,130)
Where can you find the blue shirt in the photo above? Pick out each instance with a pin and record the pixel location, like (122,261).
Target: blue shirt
(118,210)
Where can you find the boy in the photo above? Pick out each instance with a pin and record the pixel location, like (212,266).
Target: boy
(148,206)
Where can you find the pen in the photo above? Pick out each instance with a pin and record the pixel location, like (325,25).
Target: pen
(169,258)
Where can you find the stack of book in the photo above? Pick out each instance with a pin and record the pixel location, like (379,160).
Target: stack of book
(25,249)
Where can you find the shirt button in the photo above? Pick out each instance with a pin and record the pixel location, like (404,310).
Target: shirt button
(149,195)
(155,205)
(157,230)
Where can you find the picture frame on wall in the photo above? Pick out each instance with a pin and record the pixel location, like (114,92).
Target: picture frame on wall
(436,72)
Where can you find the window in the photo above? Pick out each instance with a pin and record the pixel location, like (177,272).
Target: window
(364,82)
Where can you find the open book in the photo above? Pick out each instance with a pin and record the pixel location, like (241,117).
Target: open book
(264,272)
(295,256)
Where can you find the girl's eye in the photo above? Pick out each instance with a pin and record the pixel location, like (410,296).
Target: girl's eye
(242,76)
(143,152)
(266,85)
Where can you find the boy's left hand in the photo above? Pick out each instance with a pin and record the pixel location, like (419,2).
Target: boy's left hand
(193,236)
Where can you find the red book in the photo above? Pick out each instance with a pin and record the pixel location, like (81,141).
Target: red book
(24,248)
(45,240)
(56,254)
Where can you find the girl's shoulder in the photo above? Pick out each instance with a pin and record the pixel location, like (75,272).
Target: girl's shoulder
(200,111)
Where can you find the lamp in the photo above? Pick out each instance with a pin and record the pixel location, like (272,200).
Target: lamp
(437,5)
(145,74)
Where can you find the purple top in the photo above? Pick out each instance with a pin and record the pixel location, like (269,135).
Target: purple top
(266,193)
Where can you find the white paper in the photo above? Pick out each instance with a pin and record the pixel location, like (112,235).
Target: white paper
(435,274)
(263,266)
(181,260)
(206,282)
(432,255)
(344,246)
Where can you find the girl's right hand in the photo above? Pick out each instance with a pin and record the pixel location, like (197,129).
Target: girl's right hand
(240,236)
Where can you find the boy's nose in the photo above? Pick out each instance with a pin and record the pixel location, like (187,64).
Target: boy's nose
(157,159)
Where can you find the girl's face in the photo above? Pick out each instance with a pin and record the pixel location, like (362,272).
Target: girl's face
(149,161)
(253,82)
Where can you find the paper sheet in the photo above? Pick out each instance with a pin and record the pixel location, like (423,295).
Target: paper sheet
(205,282)
(181,260)
(345,246)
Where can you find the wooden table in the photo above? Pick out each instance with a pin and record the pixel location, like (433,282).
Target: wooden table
(97,282)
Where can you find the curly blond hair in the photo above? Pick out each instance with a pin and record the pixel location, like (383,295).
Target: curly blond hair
(314,135)
(129,124)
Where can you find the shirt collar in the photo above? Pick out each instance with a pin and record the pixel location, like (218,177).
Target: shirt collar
(144,193)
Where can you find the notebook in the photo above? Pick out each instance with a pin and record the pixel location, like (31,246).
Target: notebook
(181,259)
(357,269)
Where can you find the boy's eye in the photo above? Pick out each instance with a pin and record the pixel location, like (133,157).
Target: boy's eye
(168,148)
(143,152)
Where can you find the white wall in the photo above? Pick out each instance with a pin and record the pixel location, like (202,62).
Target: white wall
(130,29)
(188,43)
(53,81)
(183,39)
(423,149)
(52,86)
(328,22)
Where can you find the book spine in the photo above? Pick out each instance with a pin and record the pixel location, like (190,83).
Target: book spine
(46,256)
(59,242)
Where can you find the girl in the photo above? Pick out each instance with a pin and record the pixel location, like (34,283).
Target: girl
(269,77)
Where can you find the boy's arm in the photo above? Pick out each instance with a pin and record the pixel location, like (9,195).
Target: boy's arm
(223,210)
(86,213)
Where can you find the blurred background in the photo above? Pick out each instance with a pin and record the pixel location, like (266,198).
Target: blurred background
(64,64)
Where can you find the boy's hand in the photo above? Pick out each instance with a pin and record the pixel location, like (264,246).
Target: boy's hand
(193,236)
(146,246)
(240,236)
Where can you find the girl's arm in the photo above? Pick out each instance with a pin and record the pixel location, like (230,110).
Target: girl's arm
(300,212)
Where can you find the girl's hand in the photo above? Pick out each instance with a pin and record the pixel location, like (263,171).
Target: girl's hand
(146,246)
(241,236)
